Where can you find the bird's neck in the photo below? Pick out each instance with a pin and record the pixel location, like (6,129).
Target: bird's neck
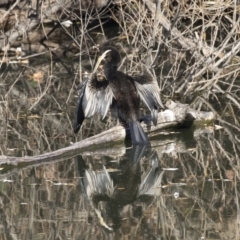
(108,69)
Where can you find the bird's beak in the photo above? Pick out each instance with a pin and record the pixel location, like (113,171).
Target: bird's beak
(100,60)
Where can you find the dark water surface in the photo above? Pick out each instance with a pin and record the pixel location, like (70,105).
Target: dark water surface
(185,187)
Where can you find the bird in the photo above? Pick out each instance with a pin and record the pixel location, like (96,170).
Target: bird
(108,192)
(108,88)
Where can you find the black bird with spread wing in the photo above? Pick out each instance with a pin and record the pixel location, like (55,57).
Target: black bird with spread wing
(122,93)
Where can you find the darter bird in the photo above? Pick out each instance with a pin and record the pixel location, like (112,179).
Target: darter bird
(110,88)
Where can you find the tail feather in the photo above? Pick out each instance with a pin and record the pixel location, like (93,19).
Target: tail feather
(137,152)
(138,136)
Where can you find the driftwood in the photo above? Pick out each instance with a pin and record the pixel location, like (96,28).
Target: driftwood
(177,115)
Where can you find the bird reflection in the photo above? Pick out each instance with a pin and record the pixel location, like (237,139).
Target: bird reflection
(108,192)
(109,88)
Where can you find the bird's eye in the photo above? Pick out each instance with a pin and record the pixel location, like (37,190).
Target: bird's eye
(108,58)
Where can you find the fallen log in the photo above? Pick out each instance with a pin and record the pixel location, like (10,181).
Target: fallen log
(178,115)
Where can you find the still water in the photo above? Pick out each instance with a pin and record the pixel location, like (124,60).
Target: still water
(186,186)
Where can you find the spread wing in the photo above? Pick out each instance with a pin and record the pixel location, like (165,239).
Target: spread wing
(95,97)
(80,116)
(149,93)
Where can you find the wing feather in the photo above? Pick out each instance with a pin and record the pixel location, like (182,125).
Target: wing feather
(80,116)
(149,93)
(97,98)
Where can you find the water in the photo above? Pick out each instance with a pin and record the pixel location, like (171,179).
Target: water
(183,189)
